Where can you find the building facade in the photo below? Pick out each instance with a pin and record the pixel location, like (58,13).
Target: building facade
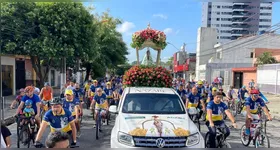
(234,20)
(184,65)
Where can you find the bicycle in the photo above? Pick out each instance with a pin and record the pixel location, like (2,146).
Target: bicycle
(24,134)
(256,133)
(194,116)
(98,121)
(239,106)
(220,140)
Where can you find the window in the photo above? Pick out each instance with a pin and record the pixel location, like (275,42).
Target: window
(265,14)
(226,19)
(226,13)
(265,20)
(219,55)
(264,26)
(225,25)
(218,19)
(144,103)
(217,25)
(218,13)
(266,8)
(226,6)
(225,37)
(225,31)
(252,55)
(218,6)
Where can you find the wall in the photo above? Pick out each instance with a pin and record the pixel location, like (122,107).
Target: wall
(207,38)
(268,78)
(239,51)
(248,76)
(259,51)
(9,60)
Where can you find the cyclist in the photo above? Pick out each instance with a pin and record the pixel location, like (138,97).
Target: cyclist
(194,100)
(100,102)
(93,88)
(29,95)
(182,93)
(71,86)
(241,93)
(72,103)
(18,98)
(116,97)
(214,117)
(79,94)
(59,119)
(212,95)
(200,88)
(108,90)
(46,95)
(262,96)
(252,103)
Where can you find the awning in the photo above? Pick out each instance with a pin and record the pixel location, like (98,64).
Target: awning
(248,69)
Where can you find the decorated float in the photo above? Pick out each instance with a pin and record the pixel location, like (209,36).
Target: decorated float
(148,73)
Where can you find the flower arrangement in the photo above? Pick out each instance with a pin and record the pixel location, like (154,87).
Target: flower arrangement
(158,38)
(147,76)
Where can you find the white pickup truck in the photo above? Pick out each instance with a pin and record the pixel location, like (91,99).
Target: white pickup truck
(155,118)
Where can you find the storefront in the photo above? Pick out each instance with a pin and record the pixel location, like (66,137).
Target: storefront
(8,75)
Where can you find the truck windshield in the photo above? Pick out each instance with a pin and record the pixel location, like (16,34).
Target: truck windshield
(153,104)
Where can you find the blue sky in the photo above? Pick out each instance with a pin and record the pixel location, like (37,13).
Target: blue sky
(180,19)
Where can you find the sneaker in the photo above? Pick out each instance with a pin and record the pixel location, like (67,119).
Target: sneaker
(247,132)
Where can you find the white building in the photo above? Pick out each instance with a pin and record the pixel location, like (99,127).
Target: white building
(233,20)
(206,39)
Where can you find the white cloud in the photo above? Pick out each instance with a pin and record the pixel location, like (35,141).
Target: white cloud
(125,27)
(162,16)
(168,30)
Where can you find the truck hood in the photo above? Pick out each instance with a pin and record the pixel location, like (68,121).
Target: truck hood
(157,125)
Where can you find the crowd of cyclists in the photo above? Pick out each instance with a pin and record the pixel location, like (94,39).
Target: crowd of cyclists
(211,100)
(63,113)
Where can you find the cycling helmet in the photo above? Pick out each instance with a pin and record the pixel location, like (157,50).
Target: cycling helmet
(21,90)
(243,87)
(47,84)
(29,89)
(94,81)
(255,91)
(28,102)
(214,89)
(108,83)
(199,82)
(69,91)
(56,100)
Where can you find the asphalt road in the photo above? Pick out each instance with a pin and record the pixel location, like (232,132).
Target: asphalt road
(87,139)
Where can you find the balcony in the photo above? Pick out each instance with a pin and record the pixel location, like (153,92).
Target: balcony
(239,32)
(238,14)
(239,26)
(240,20)
(240,4)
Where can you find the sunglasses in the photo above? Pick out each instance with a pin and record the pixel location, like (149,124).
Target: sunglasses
(255,95)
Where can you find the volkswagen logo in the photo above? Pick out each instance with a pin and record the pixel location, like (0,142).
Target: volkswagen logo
(160,143)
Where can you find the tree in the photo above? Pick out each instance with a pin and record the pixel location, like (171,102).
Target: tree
(110,50)
(47,32)
(266,58)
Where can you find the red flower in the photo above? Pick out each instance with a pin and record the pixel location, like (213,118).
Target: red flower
(158,76)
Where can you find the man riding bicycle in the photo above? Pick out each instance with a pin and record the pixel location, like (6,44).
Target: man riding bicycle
(212,95)
(183,93)
(29,95)
(215,111)
(194,100)
(241,93)
(100,101)
(92,89)
(252,103)
(72,104)
(59,119)
(109,92)
(79,94)
(200,88)
(46,95)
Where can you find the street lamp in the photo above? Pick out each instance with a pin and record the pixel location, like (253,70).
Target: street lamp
(183,49)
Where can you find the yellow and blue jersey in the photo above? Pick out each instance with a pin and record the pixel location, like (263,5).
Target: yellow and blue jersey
(254,104)
(217,110)
(70,105)
(108,92)
(60,122)
(100,101)
(193,100)
(211,96)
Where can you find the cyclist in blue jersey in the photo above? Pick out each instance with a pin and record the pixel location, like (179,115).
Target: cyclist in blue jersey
(73,105)
(241,93)
(59,119)
(195,100)
(252,103)
(36,102)
(108,90)
(200,88)
(212,94)
(215,111)
(182,93)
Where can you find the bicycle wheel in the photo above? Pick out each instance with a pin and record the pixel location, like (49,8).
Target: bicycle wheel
(245,140)
(261,140)
(207,143)
(108,117)
(24,136)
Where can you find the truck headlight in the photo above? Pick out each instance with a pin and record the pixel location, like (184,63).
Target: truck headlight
(125,139)
(193,139)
